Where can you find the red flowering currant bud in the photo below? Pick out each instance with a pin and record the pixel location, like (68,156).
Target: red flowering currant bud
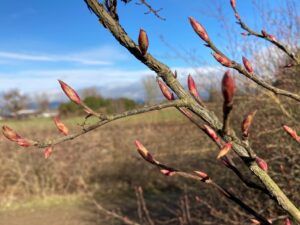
(168,173)
(287,222)
(222,59)
(224,150)
(143,42)
(246,124)
(201,174)
(72,95)
(292,133)
(233,4)
(10,134)
(145,153)
(25,142)
(165,90)
(199,29)
(47,152)
(228,88)
(211,133)
(61,126)
(192,87)
(247,65)
(261,163)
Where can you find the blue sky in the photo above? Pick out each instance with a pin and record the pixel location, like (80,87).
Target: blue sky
(42,41)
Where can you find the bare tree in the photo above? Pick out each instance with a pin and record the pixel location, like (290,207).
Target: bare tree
(151,90)
(15,100)
(43,102)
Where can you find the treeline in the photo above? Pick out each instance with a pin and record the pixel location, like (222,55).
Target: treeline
(98,103)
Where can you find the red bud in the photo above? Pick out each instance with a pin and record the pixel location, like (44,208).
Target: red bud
(292,133)
(201,174)
(10,134)
(25,142)
(144,152)
(247,123)
(72,95)
(143,42)
(264,33)
(224,150)
(262,163)
(192,87)
(228,87)
(254,221)
(233,4)
(222,59)
(60,126)
(167,172)
(199,29)
(208,130)
(47,152)
(287,222)
(247,65)
(165,90)
(272,37)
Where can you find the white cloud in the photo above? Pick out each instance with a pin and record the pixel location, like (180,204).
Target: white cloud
(105,55)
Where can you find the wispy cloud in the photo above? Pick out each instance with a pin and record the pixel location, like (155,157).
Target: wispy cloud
(99,56)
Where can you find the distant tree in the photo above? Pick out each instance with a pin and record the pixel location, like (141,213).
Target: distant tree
(152,91)
(42,101)
(14,100)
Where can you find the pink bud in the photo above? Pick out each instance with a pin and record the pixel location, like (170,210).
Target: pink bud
(201,174)
(208,130)
(224,150)
(287,222)
(165,90)
(237,16)
(143,42)
(292,133)
(255,221)
(233,4)
(167,172)
(228,87)
(244,34)
(25,142)
(222,59)
(60,126)
(264,33)
(145,153)
(199,29)
(271,37)
(72,95)
(261,163)
(47,152)
(246,124)
(247,65)
(10,134)
(192,87)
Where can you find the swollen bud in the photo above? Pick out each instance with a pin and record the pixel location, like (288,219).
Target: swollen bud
(60,126)
(287,222)
(224,150)
(247,65)
(292,133)
(144,152)
(211,133)
(167,172)
(47,152)
(201,174)
(165,90)
(261,163)
(255,221)
(246,124)
(10,134)
(143,42)
(233,4)
(222,59)
(228,87)
(192,87)
(199,29)
(72,95)
(25,142)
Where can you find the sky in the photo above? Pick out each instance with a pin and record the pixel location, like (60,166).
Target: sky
(42,41)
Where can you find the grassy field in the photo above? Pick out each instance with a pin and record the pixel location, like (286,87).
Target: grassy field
(104,164)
